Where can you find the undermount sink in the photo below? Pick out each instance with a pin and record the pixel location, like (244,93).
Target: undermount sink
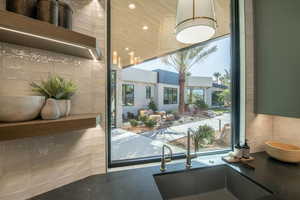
(209,183)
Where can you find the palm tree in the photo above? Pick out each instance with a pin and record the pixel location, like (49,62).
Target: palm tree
(217,75)
(182,61)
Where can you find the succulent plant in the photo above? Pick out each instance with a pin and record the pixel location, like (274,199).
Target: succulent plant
(55,87)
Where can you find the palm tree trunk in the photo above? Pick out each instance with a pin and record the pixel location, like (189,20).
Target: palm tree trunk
(181,106)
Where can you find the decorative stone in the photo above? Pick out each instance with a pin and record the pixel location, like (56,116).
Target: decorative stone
(156,118)
(50,110)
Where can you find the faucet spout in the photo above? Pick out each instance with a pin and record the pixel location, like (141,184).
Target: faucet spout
(189,157)
(165,160)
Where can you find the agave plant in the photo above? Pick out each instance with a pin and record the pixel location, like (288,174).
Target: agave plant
(204,132)
(55,87)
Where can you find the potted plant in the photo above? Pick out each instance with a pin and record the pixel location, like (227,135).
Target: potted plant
(57,88)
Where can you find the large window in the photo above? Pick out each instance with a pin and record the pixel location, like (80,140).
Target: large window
(128,94)
(170,95)
(191,86)
(148,92)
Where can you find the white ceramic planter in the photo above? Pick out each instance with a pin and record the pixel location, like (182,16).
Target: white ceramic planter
(51,110)
(20,108)
(64,107)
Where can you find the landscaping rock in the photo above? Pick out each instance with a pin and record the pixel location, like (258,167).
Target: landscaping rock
(170,117)
(157,118)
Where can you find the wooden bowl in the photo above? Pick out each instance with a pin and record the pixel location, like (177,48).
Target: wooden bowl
(283,152)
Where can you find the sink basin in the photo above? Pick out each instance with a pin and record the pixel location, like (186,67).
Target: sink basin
(210,183)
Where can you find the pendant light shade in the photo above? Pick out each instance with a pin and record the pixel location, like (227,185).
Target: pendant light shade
(195,21)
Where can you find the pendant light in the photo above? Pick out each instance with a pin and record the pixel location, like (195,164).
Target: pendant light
(195,21)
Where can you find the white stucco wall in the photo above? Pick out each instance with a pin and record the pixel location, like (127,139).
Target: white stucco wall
(140,100)
(160,97)
(208,96)
(199,81)
(138,75)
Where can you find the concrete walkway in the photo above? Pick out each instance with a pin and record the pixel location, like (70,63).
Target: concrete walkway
(177,132)
(128,145)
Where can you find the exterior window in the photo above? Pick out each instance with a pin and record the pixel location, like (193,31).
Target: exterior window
(148,92)
(170,95)
(128,94)
(193,94)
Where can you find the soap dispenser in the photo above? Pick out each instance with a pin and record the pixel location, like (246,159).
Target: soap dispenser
(238,151)
(246,150)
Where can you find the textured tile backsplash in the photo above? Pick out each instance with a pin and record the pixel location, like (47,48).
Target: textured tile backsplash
(35,165)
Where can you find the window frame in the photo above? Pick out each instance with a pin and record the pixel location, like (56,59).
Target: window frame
(124,97)
(235,91)
(148,92)
(172,95)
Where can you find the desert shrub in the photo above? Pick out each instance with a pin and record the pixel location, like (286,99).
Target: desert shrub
(133,123)
(202,134)
(152,105)
(150,123)
(55,87)
(143,118)
(200,104)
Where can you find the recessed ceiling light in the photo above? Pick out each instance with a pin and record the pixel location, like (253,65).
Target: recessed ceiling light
(145,28)
(126,49)
(131,6)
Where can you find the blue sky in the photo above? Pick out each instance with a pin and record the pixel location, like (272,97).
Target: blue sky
(215,62)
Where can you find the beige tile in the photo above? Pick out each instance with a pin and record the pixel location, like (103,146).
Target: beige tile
(2,4)
(36,165)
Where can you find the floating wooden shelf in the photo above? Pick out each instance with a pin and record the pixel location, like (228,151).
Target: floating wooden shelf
(11,131)
(25,31)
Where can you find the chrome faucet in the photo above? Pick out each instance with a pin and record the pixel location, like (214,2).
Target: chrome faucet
(189,157)
(165,160)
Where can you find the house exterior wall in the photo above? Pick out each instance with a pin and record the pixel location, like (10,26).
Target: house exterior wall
(208,96)
(140,100)
(199,81)
(160,97)
(138,75)
(158,80)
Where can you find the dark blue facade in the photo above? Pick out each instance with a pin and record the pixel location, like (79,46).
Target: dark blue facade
(167,77)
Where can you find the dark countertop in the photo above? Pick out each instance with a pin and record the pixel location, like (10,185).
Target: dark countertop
(138,184)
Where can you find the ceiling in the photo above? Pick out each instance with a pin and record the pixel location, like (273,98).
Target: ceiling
(159,16)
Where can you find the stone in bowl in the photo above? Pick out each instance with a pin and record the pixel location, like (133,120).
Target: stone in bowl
(283,152)
(20,108)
